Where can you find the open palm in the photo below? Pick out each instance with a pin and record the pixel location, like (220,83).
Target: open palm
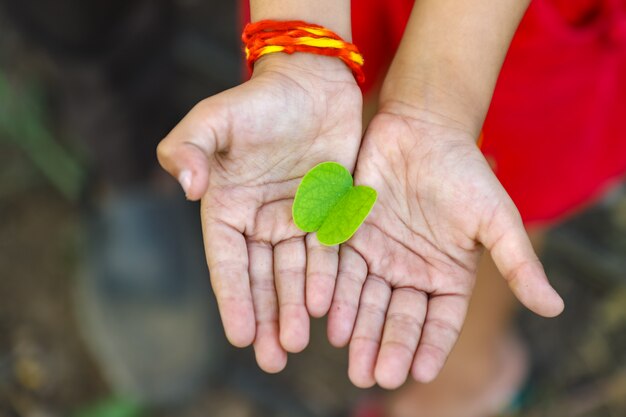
(244,153)
(406,277)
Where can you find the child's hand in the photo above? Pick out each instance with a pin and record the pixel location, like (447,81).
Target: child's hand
(244,152)
(406,277)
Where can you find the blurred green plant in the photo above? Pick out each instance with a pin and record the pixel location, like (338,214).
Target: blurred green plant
(23,123)
(112,407)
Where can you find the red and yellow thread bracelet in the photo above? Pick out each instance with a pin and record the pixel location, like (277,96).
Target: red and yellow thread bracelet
(271,36)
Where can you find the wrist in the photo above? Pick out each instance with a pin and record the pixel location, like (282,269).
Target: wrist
(450,57)
(433,101)
(305,65)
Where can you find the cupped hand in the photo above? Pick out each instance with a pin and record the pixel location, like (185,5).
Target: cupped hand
(406,277)
(244,152)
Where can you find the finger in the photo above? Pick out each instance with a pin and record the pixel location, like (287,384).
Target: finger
(403,328)
(350,280)
(368,330)
(289,270)
(513,254)
(270,355)
(442,327)
(227,258)
(321,274)
(186,151)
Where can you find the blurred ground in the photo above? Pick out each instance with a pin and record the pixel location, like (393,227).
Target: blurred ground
(580,357)
(45,370)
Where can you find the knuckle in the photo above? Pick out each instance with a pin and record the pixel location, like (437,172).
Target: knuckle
(398,345)
(263,286)
(351,277)
(161,149)
(404,322)
(444,328)
(436,352)
(164,151)
(365,339)
(371,309)
(345,303)
(321,276)
(291,272)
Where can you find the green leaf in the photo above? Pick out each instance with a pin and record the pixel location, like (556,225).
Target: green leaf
(320,190)
(347,215)
(327,202)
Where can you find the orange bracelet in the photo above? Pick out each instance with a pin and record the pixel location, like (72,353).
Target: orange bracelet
(270,36)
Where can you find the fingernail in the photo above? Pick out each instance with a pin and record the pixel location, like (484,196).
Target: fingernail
(185,180)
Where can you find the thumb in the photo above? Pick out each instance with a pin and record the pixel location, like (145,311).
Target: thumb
(506,238)
(187,150)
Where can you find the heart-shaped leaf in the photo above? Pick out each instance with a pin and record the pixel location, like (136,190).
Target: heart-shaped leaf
(327,203)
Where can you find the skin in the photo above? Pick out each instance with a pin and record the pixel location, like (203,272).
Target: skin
(400,288)
(243,153)
(247,150)
(488,364)
(406,277)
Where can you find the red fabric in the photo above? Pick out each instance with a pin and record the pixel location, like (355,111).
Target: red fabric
(377,28)
(557,123)
(556,129)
